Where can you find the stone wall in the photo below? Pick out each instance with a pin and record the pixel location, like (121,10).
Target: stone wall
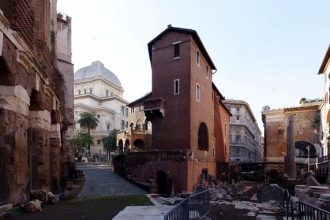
(33,116)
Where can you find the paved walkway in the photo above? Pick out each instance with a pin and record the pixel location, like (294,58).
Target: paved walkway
(101,181)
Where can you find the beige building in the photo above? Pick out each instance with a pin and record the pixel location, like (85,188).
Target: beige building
(98,90)
(325,115)
(245,134)
(137,137)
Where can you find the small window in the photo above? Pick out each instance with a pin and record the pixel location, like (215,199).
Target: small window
(198,93)
(237,118)
(177,50)
(122,125)
(197,58)
(98,116)
(85,91)
(126,125)
(107,93)
(122,109)
(108,127)
(126,112)
(90,90)
(213,152)
(79,92)
(98,141)
(237,109)
(176,87)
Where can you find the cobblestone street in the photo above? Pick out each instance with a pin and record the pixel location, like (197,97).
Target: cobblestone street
(101,181)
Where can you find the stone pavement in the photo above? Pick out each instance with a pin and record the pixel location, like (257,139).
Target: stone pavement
(101,181)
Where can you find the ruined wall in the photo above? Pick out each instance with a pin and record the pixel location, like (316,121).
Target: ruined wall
(32,112)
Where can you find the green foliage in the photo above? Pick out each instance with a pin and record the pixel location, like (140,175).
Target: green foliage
(81,141)
(88,121)
(109,142)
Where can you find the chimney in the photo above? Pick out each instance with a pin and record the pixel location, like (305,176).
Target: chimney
(169,26)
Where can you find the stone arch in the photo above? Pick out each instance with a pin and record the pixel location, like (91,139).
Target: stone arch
(127,146)
(203,137)
(161,181)
(121,145)
(37,102)
(301,148)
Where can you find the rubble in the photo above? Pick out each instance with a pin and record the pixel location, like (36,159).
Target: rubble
(32,206)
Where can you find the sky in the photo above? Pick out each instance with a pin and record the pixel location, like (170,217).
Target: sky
(266,52)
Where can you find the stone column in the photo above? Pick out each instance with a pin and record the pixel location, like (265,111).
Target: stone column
(290,164)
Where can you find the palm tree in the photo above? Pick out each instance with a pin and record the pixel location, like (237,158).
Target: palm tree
(88,121)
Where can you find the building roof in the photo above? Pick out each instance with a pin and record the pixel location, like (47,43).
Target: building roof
(240,102)
(325,62)
(139,100)
(191,32)
(97,69)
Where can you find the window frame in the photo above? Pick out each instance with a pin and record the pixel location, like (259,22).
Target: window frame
(198,58)
(176,87)
(198,92)
(176,45)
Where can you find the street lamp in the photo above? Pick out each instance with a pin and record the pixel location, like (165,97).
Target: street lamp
(308,149)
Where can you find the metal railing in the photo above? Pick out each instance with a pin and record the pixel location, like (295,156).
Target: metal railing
(304,211)
(195,207)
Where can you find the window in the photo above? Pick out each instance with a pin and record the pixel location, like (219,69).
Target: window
(90,90)
(126,126)
(122,109)
(107,93)
(203,137)
(98,141)
(108,127)
(126,112)
(237,109)
(197,58)
(207,72)
(237,118)
(213,152)
(176,50)
(225,128)
(176,90)
(122,125)
(98,116)
(198,92)
(85,91)
(79,92)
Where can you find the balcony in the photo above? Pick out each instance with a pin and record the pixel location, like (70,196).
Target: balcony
(154,108)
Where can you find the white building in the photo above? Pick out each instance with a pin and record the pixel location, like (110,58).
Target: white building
(98,90)
(325,114)
(244,132)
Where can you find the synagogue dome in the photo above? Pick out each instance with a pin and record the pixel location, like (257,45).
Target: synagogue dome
(97,69)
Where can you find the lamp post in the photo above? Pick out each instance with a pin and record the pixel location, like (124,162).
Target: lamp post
(308,149)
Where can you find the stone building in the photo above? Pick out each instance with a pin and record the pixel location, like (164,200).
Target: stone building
(306,133)
(98,90)
(244,132)
(189,136)
(325,116)
(34,115)
(137,137)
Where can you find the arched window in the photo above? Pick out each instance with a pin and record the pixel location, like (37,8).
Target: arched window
(203,137)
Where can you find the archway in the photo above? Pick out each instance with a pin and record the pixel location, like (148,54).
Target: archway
(301,148)
(139,144)
(203,137)
(127,147)
(161,182)
(121,145)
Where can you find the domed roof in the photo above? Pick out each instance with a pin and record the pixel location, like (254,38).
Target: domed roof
(97,69)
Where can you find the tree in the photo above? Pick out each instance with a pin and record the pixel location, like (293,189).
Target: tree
(88,121)
(81,141)
(109,142)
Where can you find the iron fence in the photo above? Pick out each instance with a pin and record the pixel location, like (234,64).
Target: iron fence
(195,207)
(304,211)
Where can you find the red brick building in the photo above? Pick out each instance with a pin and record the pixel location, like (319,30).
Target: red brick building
(189,121)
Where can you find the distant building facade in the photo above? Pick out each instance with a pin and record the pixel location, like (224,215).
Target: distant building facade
(137,137)
(244,131)
(98,90)
(35,100)
(306,135)
(325,117)
(189,136)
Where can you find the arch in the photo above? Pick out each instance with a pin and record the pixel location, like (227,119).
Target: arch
(131,125)
(121,145)
(127,146)
(161,181)
(328,117)
(203,137)
(139,143)
(301,148)
(36,101)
